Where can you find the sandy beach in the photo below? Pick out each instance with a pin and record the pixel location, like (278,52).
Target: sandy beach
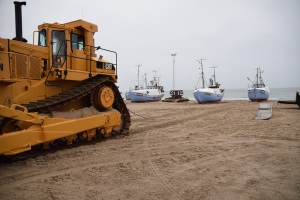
(174,151)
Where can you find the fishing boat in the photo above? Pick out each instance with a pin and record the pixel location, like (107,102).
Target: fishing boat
(209,94)
(147,92)
(258,91)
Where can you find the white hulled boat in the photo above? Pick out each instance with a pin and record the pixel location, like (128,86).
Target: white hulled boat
(148,92)
(258,91)
(209,94)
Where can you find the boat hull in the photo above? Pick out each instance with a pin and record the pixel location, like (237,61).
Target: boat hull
(258,94)
(144,97)
(127,96)
(208,95)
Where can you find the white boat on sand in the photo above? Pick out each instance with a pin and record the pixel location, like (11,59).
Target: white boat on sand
(148,92)
(209,94)
(258,91)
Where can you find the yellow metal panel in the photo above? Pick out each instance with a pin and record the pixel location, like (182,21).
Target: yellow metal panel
(26,91)
(13,113)
(83,24)
(4,58)
(28,49)
(35,68)
(78,60)
(21,66)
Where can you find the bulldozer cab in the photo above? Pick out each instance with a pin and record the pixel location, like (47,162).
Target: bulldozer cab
(71,47)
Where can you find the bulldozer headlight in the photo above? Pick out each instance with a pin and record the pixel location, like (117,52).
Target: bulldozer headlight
(58,60)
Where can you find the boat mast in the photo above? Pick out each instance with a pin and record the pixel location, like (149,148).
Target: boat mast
(139,65)
(202,73)
(260,78)
(257,77)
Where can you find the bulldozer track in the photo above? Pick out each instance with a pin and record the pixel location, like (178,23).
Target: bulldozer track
(87,87)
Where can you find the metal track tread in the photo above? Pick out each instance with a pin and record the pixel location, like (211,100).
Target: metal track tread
(86,88)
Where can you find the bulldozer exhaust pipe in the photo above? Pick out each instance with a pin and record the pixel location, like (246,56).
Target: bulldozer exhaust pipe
(18,18)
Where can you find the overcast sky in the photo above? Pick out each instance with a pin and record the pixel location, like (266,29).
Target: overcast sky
(236,35)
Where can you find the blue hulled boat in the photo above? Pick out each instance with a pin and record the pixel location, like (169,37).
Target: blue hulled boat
(147,92)
(209,94)
(258,91)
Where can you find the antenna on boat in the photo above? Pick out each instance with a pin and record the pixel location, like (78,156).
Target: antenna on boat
(145,82)
(214,73)
(154,73)
(260,78)
(142,87)
(139,65)
(156,82)
(257,77)
(202,74)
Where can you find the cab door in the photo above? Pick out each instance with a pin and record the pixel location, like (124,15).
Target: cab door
(59,47)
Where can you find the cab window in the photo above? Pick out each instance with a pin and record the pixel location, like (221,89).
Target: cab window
(42,38)
(58,39)
(77,41)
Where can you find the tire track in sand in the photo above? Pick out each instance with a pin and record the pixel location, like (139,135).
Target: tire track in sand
(167,121)
(163,180)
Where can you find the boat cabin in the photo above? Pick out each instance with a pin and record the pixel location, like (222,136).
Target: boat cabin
(258,85)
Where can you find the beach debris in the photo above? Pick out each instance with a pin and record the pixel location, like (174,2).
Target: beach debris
(264,111)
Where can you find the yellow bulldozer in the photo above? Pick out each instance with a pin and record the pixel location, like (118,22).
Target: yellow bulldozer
(57,93)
